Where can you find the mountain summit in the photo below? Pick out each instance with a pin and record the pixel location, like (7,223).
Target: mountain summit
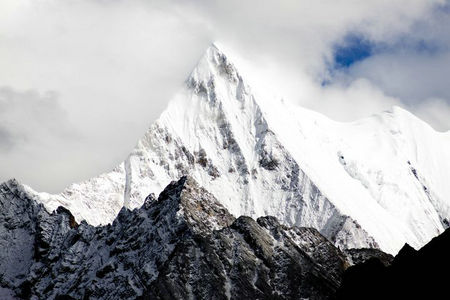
(376,182)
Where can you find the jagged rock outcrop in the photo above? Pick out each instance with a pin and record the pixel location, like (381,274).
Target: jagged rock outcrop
(182,245)
(252,260)
(357,256)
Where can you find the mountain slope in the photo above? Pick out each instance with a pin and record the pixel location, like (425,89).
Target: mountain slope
(183,245)
(377,182)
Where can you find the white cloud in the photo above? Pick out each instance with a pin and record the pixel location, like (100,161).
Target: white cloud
(115,64)
(415,69)
(36,139)
(434,110)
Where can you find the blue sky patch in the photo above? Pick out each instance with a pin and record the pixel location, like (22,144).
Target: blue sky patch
(354,48)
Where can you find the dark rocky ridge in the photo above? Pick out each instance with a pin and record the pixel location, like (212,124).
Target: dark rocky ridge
(182,245)
(169,248)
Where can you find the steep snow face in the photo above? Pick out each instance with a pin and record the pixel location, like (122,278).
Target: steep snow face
(388,171)
(380,181)
(403,165)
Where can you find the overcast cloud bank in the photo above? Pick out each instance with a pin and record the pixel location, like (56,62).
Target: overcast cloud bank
(82,80)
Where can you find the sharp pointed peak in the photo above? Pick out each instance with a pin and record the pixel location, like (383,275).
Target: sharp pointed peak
(214,56)
(213,64)
(214,46)
(197,207)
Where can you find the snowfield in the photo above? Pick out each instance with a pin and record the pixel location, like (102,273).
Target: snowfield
(377,182)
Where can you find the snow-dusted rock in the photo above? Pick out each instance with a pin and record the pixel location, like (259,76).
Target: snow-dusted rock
(377,182)
(183,245)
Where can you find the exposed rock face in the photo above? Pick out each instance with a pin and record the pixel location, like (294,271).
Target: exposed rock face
(183,245)
(252,260)
(359,256)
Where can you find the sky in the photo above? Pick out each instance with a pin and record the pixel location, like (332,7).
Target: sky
(81,80)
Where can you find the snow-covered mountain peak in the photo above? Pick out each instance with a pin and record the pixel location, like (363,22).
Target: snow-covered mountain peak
(380,181)
(213,63)
(215,73)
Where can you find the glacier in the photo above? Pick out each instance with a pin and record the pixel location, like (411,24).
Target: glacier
(378,182)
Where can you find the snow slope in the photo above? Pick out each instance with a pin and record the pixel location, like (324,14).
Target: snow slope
(376,182)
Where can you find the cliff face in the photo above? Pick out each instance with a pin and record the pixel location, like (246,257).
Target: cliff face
(184,244)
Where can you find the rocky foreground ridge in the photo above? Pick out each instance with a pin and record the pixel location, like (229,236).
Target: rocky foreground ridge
(182,245)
